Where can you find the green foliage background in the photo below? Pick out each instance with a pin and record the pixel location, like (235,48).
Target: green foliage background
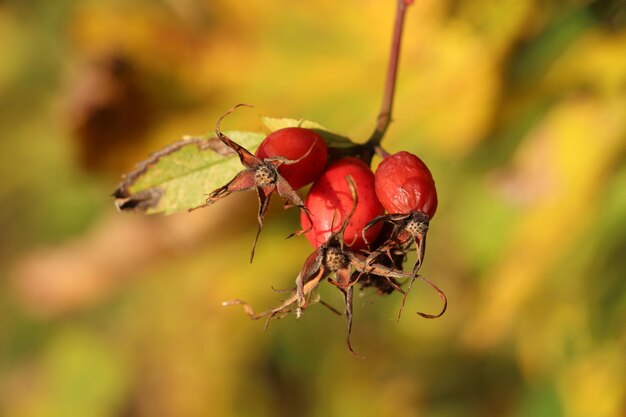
(518,107)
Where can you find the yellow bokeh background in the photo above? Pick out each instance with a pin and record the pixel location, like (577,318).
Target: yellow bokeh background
(517,106)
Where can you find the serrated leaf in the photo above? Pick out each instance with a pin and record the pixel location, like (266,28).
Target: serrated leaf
(332,140)
(179,176)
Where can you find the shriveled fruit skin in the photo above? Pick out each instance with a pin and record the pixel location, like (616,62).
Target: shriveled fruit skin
(329,200)
(293,143)
(404,184)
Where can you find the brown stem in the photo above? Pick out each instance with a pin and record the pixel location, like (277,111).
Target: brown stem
(384,117)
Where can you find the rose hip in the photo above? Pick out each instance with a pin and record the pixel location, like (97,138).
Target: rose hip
(329,201)
(296,144)
(404,184)
(405,187)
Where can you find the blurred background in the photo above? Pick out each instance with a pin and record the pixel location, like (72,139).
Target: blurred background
(517,106)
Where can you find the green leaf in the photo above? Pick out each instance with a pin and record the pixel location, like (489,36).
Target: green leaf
(275,123)
(179,176)
(332,140)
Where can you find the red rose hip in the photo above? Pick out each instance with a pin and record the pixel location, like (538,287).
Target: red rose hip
(404,185)
(330,202)
(296,144)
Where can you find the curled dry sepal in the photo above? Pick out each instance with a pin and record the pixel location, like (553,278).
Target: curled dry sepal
(343,215)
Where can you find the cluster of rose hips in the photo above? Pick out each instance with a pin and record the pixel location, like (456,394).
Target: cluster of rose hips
(343,215)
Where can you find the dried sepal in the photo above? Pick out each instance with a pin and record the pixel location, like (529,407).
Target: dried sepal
(347,299)
(406,230)
(440,293)
(286,306)
(245,156)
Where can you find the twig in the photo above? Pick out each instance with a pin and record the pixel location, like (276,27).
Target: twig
(384,117)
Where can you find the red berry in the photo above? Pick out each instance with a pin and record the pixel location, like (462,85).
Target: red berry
(404,185)
(329,201)
(293,143)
